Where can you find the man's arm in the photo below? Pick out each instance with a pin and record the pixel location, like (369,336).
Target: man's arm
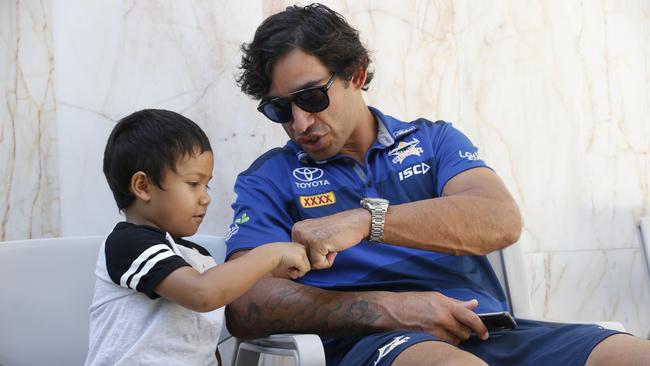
(277,305)
(475,215)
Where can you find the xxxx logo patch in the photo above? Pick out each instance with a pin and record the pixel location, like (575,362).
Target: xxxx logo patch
(318,200)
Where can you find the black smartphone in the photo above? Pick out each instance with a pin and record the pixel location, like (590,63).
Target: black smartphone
(498,321)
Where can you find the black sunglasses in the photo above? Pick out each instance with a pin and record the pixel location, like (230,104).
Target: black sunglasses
(313,100)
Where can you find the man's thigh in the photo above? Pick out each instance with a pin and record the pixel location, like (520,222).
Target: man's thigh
(381,349)
(532,343)
(539,344)
(435,354)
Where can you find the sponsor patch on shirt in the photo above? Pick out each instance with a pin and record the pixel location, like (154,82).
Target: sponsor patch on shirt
(309,177)
(317,200)
(405,149)
(403,131)
(234,228)
(469,155)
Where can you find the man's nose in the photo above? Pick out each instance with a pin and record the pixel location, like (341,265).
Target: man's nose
(301,119)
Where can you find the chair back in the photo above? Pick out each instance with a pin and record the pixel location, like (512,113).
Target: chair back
(508,265)
(644,241)
(46,287)
(216,245)
(496,261)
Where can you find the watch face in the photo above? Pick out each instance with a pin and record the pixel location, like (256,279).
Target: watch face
(376,200)
(371,203)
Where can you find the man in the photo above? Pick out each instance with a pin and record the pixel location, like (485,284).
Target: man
(401,281)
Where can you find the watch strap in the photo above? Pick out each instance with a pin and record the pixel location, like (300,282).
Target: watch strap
(377,208)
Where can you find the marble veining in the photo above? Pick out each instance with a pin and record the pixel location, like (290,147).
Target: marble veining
(28,138)
(591,286)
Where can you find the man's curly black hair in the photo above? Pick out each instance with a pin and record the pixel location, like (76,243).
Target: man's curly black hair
(315,29)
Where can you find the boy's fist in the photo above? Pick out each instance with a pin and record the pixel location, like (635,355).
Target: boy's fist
(293,262)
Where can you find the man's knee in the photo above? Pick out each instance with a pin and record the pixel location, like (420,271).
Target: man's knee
(620,349)
(434,353)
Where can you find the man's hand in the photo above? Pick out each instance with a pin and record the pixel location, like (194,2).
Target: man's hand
(449,319)
(325,236)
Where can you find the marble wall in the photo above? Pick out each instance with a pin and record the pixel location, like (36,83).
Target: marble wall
(555,94)
(29,183)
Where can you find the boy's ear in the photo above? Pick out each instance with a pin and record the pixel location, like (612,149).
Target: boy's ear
(359,77)
(141,186)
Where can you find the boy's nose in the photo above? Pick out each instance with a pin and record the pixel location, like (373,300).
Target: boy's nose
(205,199)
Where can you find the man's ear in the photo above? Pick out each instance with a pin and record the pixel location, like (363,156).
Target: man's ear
(359,77)
(141,186)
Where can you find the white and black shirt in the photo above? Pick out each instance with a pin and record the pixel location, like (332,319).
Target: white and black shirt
(132,325)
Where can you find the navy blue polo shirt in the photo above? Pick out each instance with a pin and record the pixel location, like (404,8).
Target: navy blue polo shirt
(408,162)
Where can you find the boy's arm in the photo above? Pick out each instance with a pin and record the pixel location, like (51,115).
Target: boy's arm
(276,305)
(224,283)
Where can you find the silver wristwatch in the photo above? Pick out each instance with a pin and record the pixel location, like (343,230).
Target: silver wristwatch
(377,208)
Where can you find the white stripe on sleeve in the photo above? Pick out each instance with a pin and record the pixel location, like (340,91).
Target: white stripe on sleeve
(142,258)
(152,262)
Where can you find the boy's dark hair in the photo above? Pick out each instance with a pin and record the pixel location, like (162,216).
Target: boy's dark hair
(317,30)
(150,141)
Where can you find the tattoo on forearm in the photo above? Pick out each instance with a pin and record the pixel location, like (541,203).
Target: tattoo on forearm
(359,313)
(288,297)
(252,317)
(298,309)
(280,325)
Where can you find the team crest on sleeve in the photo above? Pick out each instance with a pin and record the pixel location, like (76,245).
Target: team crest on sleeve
(317,200)
(405,149)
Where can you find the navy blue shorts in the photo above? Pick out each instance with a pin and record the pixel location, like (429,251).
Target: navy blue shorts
(532,343)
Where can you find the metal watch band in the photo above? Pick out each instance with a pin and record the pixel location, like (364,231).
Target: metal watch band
(376,226)
(377,208)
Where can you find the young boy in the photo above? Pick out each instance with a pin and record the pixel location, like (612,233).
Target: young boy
(158,298)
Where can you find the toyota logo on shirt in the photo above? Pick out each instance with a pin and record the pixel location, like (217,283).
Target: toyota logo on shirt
(307,174)
(309,177)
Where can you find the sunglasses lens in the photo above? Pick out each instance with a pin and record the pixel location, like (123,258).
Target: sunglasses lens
(312,100)
(277,110)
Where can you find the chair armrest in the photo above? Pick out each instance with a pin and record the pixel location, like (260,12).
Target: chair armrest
(611,325)
(307,349)
(608,324)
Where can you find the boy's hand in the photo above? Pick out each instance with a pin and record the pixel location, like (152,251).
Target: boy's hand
(325,236)
(292,262)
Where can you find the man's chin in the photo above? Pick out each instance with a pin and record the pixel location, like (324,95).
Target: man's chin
(318,156)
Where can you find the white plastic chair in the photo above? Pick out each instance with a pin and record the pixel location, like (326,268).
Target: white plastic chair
(644,242)
(46,286)
(305,349)
(508,264)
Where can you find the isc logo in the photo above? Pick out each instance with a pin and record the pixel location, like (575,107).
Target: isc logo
(416,169)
